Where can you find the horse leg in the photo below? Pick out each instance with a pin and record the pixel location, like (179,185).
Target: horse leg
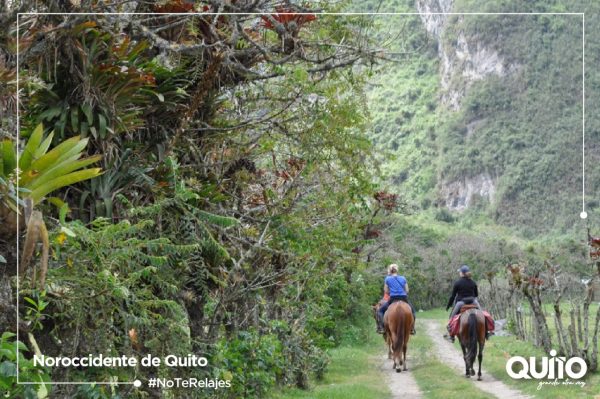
(480,359)
(391,352)
(464,351)
(399,363)
(404,356)
(397,358)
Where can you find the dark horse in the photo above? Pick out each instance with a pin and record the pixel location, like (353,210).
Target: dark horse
(375,309)
(398,321)
(472,337)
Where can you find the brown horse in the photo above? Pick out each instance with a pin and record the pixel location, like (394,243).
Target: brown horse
(472,336)
(398,322)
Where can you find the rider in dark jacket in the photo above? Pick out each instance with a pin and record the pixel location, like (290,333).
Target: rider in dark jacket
(463,292)
(464,289)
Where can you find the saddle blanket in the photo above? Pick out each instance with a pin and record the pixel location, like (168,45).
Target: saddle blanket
(455,325)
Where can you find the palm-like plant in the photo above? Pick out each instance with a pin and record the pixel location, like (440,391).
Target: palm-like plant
(39,171)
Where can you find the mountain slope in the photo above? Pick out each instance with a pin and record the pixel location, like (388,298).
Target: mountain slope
(484,114)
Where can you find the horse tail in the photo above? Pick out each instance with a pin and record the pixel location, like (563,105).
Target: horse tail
(399,330)
(472,346)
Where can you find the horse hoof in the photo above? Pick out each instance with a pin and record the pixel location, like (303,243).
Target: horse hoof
(398,370)
(478,378)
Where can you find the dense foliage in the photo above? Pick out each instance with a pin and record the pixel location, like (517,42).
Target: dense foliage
(235,197)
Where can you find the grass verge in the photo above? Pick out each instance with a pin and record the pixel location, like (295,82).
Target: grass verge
(352,374)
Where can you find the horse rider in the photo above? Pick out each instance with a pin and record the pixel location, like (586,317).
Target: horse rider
(464,292)
(397,288)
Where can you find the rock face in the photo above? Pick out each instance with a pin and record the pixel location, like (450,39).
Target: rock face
(463,61)
(458,195)
(433,22)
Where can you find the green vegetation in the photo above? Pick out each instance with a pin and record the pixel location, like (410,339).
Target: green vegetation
(238,180)
(515,128)
(10,349)
(352,374)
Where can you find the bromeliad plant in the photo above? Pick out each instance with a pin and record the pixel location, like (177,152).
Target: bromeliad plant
(39,171)
(26,180)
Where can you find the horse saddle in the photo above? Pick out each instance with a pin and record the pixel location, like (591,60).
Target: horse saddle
(464,308)
(468,300)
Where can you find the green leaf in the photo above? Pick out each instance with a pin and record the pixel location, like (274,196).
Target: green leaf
(21,346)
(87,111)
(76,149)
(53,155)
(102,126)
(60,170)
(222,221)
(31,301)
(84,129)
(2,259)
(50,114)
(62,213)
(8,369)
(43,147)
(64,181)
(9,156)
(6,335)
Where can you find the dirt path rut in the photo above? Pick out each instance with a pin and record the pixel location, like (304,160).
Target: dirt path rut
(450,355)
(402,385)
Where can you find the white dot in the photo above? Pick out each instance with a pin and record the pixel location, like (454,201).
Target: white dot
(583,215)
(553,353)
(137,383)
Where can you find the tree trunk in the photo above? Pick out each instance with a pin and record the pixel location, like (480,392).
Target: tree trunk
(593,358)
(579,330)
(543,334)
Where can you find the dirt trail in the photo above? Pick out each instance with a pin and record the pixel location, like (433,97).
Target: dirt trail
(450,355)
(402,385)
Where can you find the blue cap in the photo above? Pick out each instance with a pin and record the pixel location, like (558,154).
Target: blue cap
(463,269)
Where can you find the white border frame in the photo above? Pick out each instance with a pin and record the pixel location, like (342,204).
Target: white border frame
(583,213)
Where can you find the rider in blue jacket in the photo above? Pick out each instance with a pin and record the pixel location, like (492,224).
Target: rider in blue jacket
(397,288)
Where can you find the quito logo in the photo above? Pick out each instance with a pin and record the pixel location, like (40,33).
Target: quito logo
(550,368)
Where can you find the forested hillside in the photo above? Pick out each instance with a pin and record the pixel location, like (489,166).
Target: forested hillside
(484,115)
